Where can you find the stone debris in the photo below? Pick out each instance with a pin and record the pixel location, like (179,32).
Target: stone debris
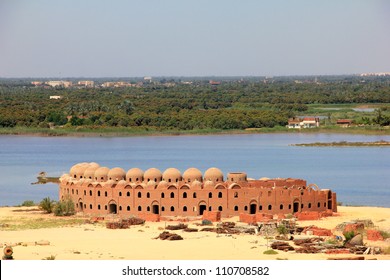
(176,227)
(125,223)
(190,230)
(283,246)
(314,230)
(165,235)
(357,240)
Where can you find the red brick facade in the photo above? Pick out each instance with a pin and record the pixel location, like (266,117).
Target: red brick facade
(99,190)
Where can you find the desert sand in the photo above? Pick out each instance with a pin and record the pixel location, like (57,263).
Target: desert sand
(86,241)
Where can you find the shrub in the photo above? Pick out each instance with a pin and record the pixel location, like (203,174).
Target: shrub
(50,258)
(270,252)
(348,235)
(28,203)
(47,205)
(64,207)
(206,223)
(282,230)
(385,234)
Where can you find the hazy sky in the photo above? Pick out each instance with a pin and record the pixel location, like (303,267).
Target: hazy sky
(111,38)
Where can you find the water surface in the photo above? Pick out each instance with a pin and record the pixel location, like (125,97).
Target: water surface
(359,175)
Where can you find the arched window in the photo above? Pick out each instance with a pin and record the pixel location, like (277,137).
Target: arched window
(184,208)
(210,208)
(236,208)
(318,204)
(220,195)
(128,193)
(246,208)
(309,205)
(172,195)
(148,195)
(172,209)
(105,194)
(148,209)
(220,208)
(184,195)
(120,193)
(281,207)
(162,195)
(270,207)
(194,195)
(139,208)
(236,195)
(128,208)
(120,208)
(90,206)
(98,193)
(98,206)
(210,195)
(139,195)
(162,208)
(90,193)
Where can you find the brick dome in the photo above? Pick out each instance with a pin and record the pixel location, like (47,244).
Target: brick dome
(213,174)
(162,185)
(116,174)
(90,171)
(152,174)
(135,175)
(172,175)
(101,174)
(192,174)
(81,169)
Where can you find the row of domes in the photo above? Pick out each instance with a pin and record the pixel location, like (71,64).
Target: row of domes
(97,173)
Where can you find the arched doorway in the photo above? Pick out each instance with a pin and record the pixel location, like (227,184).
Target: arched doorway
(296,206)
(252,207)
(81,205)
(112,207)
(202,207)
(155,208)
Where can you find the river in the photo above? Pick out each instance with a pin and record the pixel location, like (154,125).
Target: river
(359,175)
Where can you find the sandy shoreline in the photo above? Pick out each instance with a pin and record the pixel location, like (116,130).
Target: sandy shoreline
(85,241)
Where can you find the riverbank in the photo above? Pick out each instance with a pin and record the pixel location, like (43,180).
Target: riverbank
(128,132)
(345,144)
(37,236)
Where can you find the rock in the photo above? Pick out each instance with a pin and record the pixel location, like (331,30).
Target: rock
(356,240)
(42,242)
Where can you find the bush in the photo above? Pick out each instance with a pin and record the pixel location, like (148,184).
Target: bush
(282,230)
(270,252)
(385,234)
(28,203)
(206,223)
(64,207)
(348,235)
(47,205)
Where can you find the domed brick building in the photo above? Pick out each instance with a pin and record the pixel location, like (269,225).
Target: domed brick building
(101,190)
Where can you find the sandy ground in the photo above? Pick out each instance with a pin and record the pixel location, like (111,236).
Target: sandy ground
(95,242)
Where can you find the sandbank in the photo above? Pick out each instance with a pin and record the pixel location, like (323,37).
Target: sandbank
(86,241)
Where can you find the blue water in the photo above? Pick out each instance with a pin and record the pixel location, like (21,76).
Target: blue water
(359,175)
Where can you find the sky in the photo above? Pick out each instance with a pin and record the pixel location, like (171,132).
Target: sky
(136,38)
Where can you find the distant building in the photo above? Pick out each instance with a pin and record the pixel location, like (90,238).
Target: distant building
(86,83)
(148,79)
(306,122)
(214,83)
(37,83)
(344,122)
(55,97)
(65,84)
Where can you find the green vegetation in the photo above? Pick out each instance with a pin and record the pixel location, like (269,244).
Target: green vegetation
(348,235)
(270,252)
(385,234)
(50,258)
(249,105)
(28,203)
(64,207)
(47,205)
(24,223)
(282,230)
